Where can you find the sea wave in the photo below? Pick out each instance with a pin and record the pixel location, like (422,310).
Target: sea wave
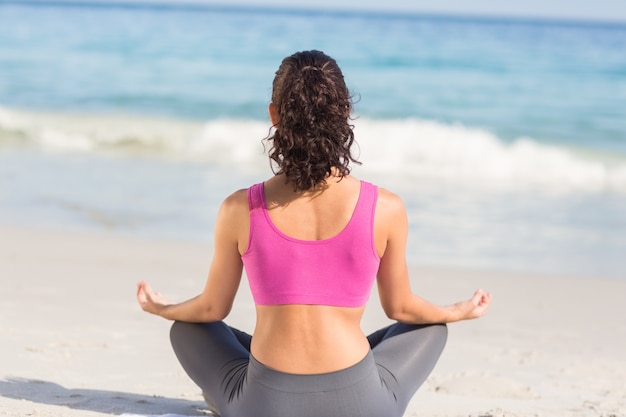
(456,153)
(416,148)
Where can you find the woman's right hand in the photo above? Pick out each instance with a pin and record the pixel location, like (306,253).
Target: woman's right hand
(473,308)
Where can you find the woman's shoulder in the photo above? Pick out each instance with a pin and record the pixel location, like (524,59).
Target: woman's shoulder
(389,201)
(236,204)
(390,210)
(237,198)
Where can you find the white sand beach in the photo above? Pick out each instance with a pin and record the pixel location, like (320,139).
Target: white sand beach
(73,341)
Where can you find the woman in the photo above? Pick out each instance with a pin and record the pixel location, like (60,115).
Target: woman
(312,239)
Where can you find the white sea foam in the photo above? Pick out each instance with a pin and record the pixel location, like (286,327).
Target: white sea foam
(457,153)
(418,148)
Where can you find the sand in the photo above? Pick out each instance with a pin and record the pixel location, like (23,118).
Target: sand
(73,341)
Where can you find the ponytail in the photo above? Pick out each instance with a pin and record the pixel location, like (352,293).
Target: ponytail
(313,136)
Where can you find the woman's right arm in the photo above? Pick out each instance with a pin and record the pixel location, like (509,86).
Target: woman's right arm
(397,299)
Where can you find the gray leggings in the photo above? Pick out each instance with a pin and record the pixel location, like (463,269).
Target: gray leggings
(217,358)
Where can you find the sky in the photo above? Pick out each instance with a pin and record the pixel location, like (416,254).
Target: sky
(612,10)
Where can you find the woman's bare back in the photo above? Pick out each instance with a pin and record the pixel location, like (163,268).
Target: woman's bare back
(318,338)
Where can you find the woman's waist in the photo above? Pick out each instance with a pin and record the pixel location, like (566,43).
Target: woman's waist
(309,358)
(312,382)
(308,343)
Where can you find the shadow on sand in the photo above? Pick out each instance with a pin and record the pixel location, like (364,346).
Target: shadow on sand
(110,402)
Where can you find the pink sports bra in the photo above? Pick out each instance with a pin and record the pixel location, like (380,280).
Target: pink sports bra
(338,271)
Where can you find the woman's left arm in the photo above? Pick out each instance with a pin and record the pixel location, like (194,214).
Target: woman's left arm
(216,300)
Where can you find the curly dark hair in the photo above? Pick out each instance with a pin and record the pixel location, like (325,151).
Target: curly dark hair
(313,134)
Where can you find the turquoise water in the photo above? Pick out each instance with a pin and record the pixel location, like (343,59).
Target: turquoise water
(506,138)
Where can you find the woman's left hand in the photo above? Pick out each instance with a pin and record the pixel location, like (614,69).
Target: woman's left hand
(149,300)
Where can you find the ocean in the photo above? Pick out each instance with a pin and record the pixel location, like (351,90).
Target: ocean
(506,138)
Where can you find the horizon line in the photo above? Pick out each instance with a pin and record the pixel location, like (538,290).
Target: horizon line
(311,10)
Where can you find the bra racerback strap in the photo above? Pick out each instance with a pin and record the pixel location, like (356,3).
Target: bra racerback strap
(255,197)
